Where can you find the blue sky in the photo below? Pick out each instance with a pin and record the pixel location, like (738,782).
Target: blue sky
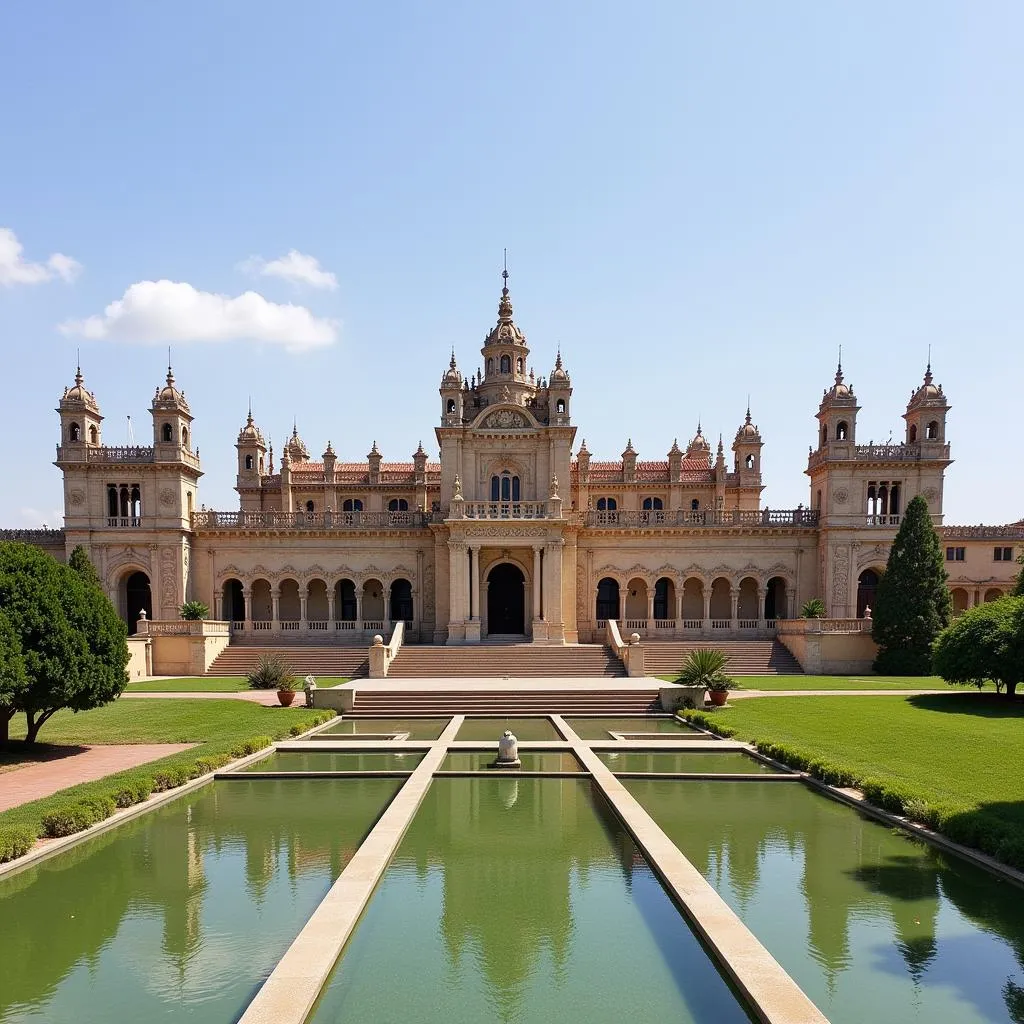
(699,201)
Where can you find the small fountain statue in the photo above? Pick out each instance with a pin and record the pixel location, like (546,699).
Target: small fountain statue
(508,751)
(310,688)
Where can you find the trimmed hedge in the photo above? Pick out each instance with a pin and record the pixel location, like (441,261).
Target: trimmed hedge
(980,829)
(88,803)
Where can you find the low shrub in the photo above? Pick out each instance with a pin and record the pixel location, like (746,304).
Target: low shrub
(251,746)
(133,792)
(15,841)
(705,721)
(76,817)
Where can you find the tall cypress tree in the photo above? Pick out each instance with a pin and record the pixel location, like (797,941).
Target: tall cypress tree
(912,603)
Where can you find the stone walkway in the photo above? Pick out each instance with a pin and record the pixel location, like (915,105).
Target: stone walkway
(266,697)
(82,764)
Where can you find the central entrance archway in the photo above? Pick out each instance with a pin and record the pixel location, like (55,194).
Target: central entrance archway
(506,587)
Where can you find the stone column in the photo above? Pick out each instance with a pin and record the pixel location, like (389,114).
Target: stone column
(474,574)
(551,592)
(706,621)
(275,604)
(536,583)
(734,600)
(218,605)
(761,591)
(679,607)
(330,608)
(359,609)
(247,594)
(303,598)
(456,591)
(650,608)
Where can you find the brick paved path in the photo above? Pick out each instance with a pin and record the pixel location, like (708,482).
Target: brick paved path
(85,764)
(267,697)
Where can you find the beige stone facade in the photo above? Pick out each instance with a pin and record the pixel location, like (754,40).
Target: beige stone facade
(516,530)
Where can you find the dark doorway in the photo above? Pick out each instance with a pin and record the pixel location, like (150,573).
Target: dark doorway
(401,601)
(867,584)
(233,601)
(137,597)
(505,597)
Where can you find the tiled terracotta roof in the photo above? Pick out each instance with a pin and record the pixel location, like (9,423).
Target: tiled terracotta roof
(693,470)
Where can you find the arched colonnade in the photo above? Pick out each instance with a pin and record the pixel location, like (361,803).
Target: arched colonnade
(352,603)
(655,604)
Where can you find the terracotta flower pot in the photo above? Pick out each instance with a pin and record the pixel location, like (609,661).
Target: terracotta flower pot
(286,697)
(718,697)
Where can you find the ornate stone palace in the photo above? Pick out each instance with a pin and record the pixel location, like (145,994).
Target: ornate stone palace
(510,533)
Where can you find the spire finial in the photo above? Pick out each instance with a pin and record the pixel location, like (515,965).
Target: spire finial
(504,271)
(295,426)
(928,372)
(170,372)
(699,434)
(839,368)
(451,363)
(249,417)
(78,367)
(748,409)
(558,358)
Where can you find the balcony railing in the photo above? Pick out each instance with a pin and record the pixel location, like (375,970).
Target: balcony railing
(124,521)
(207,520)
(125,454)
(509,510)
(879,453)
(800,517)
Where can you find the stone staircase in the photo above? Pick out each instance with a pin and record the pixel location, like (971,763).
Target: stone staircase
(517,661)
(238,659)
(511,703)
(746,657)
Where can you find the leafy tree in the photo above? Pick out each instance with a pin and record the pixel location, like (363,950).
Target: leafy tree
(12,674)
(79,561)
(194,610)
(912,603)
(986,642)
(72,641)
(1018,587)
(813,609)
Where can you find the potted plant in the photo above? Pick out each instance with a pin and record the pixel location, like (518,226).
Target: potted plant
(704,668)
(813,609)
(272,672)
(194,610)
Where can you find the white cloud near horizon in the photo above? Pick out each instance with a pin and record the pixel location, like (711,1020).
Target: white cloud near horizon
(175,311)
(295,267)
(15,269)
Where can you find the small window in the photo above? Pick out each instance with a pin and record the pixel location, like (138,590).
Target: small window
(842,430)
(74,432)
(184,437)
(955,554)
(560,406)
(824,434)
(310,507)
(167,433)
(913,432)
(352,505)
(606,505)
(398,505)
(506,364)
(652,505)
(248,462)
(695,504)
(1003,554)
(519,365)
(932,431)
(261,464)
(451,406)
(749,462)
(94,436)
(490,366)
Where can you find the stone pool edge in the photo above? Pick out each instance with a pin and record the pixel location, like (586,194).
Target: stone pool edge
(51,847)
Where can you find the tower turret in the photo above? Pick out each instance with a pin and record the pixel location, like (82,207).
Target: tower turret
(747,451)
(837,414)
(506,374)
(252,451)
(926,414)
(172,421)
(80,417)
(452,391)
(559,392)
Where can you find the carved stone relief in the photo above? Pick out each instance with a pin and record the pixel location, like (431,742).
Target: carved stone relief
(505,419)
(840,575)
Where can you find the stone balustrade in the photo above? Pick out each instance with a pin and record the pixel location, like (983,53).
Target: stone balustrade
(300,521)
(801,518)
(506,510)
(124,454)
(182,627)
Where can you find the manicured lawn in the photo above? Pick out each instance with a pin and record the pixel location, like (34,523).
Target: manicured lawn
(867,682)
(210,684)
(954,761)
(219,727)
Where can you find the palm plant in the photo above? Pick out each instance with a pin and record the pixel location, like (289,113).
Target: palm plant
(813,609)
(271,672)
(194,610)
(705,667)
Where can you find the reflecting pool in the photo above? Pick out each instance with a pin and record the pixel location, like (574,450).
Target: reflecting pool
(532,761)
(181,914)
(492,728)
(521,900)
(602,728)
(354,728)
(337,761)
(726,762)
(871,924)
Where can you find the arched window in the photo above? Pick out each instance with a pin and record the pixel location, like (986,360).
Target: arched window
(652,504)
(189,503)
(749,462)
(450,406)
(694,504)
(94,436)
(913,432)
(261,464)
(74,432)
(872,500)
(166,432)
(125,501)
(932,433)
(608,599)
(248,462)
(817,501)
(111,501)
(894,500)
(398,505)
(506,364)
(184,437)
(136,503)
(505,487)
(824,434)
(310,507)
(842,430)
(606,505)
(519,365)
(560,405)
(352,505)
(490,365)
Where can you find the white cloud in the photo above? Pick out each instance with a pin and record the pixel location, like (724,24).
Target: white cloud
(15,269)
(294,266)
(175,311)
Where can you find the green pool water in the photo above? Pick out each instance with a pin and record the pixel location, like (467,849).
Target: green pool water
(684,761)
(181,914)
(337,761)
(532,761)
(601,728)
(871,924)
(492,728)
(353,728)
(521,901)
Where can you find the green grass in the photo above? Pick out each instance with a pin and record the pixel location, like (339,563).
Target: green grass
(210,684)
(953,761)
(222,730)
(862,682)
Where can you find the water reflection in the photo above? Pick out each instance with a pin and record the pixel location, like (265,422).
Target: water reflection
(182,911)
(851,908)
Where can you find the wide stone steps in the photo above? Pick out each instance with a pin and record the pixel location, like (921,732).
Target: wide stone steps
(404,703)
(746,657)
(517,661)
(238,660)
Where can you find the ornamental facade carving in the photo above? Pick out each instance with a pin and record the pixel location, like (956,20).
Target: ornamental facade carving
(505,419)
